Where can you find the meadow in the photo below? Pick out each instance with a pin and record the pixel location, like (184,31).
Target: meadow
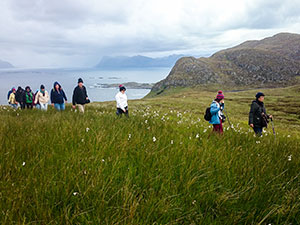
(162,165)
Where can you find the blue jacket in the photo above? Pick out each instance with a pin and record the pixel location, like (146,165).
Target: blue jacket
(214,110)
(58,96)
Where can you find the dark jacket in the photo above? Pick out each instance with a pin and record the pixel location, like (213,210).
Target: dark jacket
(255,115)
(79,95)
(20,95)
(57,97)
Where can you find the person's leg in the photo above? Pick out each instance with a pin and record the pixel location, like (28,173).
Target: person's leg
(119,112)
(38,106)
(126,113)
(258,130)
(46,106)
(57,106)
(221,127)
(62,107)
(81,108)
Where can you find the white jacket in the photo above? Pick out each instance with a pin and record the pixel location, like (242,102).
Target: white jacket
(40,98)
(121,100)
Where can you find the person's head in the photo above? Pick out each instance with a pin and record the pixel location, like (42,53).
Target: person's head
(220,96)
(56,86)
(14,90)
(19,88)
(42,88)
(260,96)
(122,88)
(27,89)
(80,82)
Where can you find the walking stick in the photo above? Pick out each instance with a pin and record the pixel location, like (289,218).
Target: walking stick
(227,118)
(273,128)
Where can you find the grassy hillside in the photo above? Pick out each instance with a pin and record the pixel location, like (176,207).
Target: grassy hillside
(160,166)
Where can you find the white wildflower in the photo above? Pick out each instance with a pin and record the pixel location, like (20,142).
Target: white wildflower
(197,135)
(103,160)
(82,140)
(290,158)
(146,121)
(194,202)
(204,130)
(257,142)
(87,129)
(23,164)
(289,136)
(154,139)
(75,193)
(129,136)
(172,142)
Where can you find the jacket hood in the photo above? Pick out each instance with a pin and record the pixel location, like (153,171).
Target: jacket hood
(55,83)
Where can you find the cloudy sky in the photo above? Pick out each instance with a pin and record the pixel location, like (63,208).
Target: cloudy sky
(72,33)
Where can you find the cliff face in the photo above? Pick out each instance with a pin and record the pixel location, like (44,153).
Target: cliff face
(4,65)
(272,62)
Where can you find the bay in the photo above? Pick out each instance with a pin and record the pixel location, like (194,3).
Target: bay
(68,79)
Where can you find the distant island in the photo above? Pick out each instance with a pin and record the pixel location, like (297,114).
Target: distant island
(139,61)
(5,65)
(130,85)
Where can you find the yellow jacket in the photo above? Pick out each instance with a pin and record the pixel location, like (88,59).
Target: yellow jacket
(12,99)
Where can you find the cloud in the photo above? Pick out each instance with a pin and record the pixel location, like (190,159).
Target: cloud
(35,33)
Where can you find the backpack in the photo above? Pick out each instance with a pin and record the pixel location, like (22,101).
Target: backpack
(207,115)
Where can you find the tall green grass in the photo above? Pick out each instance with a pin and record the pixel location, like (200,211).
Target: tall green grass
(162,165)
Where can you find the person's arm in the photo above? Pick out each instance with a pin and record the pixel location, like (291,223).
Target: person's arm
(85,92)
(251,114)
(74,97)
(36,98)
(10,99)
(64,95)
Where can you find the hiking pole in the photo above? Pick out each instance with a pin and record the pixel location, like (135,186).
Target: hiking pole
(273,127)
(227,118)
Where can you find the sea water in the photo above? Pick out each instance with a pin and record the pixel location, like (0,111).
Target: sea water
(68,79)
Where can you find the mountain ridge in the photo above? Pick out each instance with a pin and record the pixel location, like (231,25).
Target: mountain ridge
(270,62)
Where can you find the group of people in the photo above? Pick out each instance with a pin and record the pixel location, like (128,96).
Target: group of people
(40,99)
(258,117)
(25,98)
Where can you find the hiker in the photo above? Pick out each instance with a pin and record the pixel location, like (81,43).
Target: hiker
(258,117)
(80,97)
(9,92)
(121,98)
(20,97)
(216,110)
(12,99)
(42,97)
(58,97)
(29,98)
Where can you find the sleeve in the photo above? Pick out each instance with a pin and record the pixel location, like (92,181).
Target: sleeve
(36,98)
(74,97)
(51,96)
(10,100)
(47,94)
(251,113)
(85,92)
(64,95)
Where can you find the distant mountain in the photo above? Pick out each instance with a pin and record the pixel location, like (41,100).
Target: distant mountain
(138,61)
(271,62)
(4,65)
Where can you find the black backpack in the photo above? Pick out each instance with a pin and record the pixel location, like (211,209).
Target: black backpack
(207,115)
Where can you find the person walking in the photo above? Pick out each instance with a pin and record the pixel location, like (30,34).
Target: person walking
(29,97)
(42,97)
(122,105)
(80,97)
(58,97)
(12,99)
(216,110)
(20,97)
(258,117)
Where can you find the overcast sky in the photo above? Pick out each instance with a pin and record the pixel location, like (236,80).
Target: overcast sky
(72,33)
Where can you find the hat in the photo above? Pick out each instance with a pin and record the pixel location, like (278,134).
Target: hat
(220,95)
(122,87)
(259,94)
(80,80)
(13,89)
(42,87)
